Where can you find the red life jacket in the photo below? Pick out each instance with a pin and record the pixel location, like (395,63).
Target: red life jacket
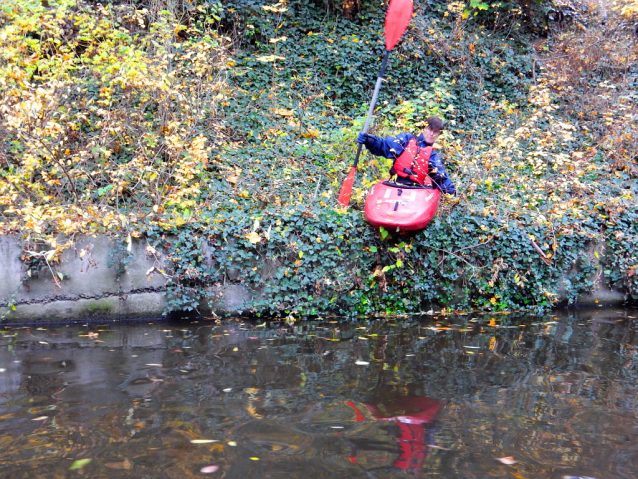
(413,163)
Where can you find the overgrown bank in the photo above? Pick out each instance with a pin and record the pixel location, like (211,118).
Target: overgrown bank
(232,125)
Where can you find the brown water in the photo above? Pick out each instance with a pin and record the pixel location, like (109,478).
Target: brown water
(427,397)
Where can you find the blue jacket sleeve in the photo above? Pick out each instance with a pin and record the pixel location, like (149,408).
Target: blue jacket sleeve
(389,147)
(392,146)
(440,179)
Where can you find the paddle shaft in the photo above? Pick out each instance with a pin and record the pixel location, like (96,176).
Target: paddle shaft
(373,102)
(396,22)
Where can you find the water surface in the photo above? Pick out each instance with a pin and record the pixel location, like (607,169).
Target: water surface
(499,396)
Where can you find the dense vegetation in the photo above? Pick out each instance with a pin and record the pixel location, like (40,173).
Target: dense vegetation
(230,125)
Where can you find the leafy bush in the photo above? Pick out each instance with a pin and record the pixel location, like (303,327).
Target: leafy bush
(105,112)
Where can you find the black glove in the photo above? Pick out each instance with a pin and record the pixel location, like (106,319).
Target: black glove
(362,138)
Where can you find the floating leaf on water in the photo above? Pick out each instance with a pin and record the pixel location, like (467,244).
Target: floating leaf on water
(362,363)
(227,390)
(336,427)
(254,459)
(434,446)
(577,477)
(232,443)
(80,463)
(509,460)
(209,469)
(125,464)
(203,441)
(154,364)
(40,418)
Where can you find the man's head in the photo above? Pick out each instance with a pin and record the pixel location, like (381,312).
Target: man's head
(433,129)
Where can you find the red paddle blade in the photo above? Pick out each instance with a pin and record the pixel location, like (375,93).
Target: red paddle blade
(346,188)
(396,21)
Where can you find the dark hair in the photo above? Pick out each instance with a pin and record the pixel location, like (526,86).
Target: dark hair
(435,123)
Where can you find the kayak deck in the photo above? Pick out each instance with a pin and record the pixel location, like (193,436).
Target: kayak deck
(401,208)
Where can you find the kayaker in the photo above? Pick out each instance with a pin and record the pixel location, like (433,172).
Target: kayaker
(393,146)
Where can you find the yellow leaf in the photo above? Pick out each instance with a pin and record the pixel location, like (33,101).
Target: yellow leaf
(276,8)
(311,134)
(282,111)
(253,237)
(270,58)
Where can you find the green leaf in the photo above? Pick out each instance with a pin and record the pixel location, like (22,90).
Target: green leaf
(373,249)
(384,233)
(80,463)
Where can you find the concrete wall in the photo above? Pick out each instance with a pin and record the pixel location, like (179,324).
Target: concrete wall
(92,284)
(92,288)
(89,286)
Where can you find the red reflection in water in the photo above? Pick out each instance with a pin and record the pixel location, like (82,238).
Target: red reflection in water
(411,414)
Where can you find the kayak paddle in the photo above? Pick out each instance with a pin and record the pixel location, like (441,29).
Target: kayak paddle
(396,22)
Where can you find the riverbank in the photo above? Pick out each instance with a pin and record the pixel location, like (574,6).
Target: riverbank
(89,280)
(209,169)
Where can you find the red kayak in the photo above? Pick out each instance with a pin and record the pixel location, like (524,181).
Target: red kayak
(398,207)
